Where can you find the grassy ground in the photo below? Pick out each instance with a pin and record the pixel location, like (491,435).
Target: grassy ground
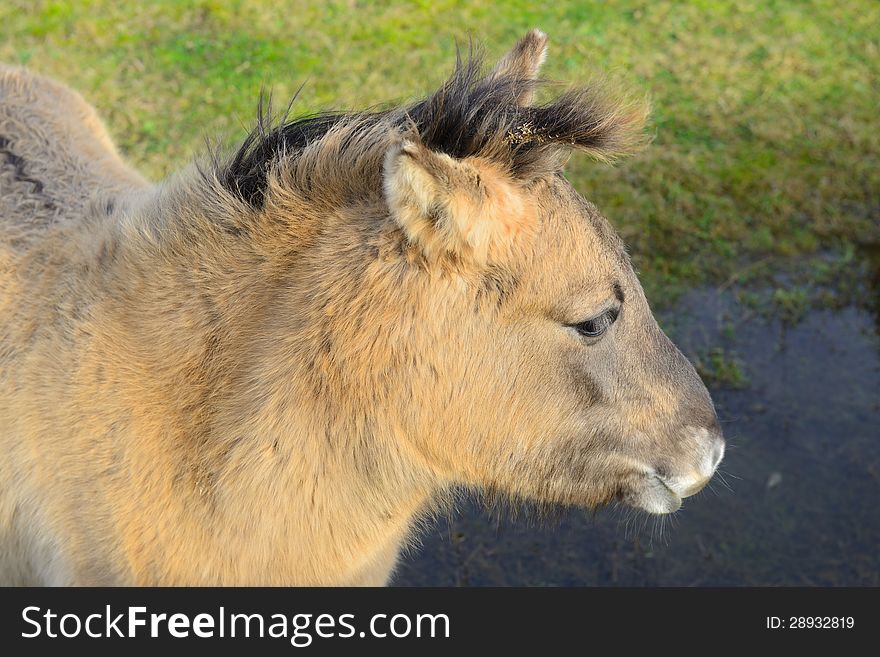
(767,148)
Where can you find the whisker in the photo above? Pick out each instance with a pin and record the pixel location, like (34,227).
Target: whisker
(724,482)
(729,474)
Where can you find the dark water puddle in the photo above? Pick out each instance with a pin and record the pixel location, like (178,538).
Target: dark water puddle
(870,256)
(803,464)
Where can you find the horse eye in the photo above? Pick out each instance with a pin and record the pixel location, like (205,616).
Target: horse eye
(593,328)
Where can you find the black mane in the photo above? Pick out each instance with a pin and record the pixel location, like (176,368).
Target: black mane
(469,115)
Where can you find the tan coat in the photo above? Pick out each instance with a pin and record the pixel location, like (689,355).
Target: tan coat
(268,374)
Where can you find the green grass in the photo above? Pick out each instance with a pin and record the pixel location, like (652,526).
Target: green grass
(720,368)
(766,149)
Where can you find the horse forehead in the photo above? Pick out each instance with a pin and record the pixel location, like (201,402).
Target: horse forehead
(576,229)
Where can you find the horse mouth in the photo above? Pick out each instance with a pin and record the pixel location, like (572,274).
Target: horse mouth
(661,492)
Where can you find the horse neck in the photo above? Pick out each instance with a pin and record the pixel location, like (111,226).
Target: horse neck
(278,456)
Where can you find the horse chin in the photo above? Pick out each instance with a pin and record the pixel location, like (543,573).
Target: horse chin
(655,497)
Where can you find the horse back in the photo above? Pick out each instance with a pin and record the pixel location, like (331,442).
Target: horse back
(56,158)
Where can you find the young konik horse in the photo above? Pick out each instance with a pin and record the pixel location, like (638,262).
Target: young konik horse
(265,369)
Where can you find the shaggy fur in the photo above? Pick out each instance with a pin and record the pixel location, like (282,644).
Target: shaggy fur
(267,368)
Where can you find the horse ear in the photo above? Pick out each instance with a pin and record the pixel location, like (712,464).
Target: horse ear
(523,62)
(468,208)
